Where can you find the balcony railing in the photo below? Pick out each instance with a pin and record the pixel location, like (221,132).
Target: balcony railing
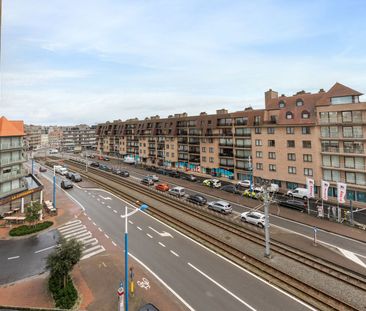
(226,164)
(227,155)
(7,146)
(11,161)
(12,175)
(226,144)
(343,150)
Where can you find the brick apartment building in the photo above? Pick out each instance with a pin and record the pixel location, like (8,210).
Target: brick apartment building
(320,135)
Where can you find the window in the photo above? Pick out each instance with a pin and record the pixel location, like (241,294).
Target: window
(307,158)
(203,149)
(292,185)
(290,130)
(346,116)
(272,155)
(271,143)
(242,131)
(172,154)
(259,154)
(305,115)
(209,122)
(289,115)
(259,166)
(331,175)
(281,104)
(272,167)
(299,102)
(211,150)
(258,142)
(211,159)
(305,130)
(308,171)
(167,154)
(257,120)
(350,177)
(342,100)
(306,144)
(204,159)
(258,130)
(292,170)
(291,157)
(241,121)
(291,144)
(270,130)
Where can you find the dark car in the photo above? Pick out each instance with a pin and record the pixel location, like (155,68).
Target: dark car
(94,164)
(123,173)
(106,159)
(76,177)
(66,184)
(174,174)
(230,188)
(42,169)
(69,175)
(147,181)
(161,171)
(197,199)
(296,204)
(104,168)
(190,177)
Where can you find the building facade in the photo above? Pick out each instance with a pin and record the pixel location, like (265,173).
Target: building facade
(78,137)
(317,135)
(33,136)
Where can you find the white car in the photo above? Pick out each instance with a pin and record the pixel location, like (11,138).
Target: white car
(154,178)
(254,218)
(214,183)
(244,183)
(220,206)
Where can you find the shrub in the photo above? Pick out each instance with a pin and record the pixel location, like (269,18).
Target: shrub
(24,230)
(65,297)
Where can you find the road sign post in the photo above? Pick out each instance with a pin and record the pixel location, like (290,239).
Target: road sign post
(315,239)
(120,293)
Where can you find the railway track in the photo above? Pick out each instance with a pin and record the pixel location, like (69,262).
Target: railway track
(315,296)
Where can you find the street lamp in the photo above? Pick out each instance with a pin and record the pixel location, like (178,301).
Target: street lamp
(54,187)
(142,208)
(250,174)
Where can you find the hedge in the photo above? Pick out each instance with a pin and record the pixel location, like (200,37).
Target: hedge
(24,230)
(65,297)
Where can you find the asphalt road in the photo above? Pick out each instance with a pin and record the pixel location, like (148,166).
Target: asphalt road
(202,279)
(26,257)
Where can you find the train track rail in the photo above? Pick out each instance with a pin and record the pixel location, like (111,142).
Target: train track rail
(315,296)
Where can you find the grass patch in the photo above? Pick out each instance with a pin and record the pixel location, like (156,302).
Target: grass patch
(24,229)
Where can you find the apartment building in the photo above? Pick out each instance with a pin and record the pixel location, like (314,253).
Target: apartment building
(78,137)
(318,135)
(33,136)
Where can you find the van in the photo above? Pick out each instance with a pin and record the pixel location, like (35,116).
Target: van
(178,192)
(301,193)
(62,171)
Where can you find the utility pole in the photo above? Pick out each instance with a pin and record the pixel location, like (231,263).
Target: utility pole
(250,174)
(267,252)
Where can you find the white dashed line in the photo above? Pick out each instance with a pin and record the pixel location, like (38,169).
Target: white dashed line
(162,244)
(106,236)
(84,214)
(109,206)
(149,235)
(98,199)
(15,257)
(94,224)
(130,222)
(103,202)
(44,249)
(93,196)
(100,229)
(89,218)
(114,243)
(174,253)
(121,216)
(137,227)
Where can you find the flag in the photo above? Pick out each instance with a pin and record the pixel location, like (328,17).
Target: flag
(310,187)
(325,187)
(341,192)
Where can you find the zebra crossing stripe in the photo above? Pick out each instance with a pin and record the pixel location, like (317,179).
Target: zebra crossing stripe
(69,226)
(69,230)
(90,242)
(75,234)
(91,249)
(83,237)
(102,249)
(73,222)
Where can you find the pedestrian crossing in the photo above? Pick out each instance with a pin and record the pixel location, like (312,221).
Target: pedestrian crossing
(76,230)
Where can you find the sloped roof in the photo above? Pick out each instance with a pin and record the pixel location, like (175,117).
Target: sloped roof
(337,90)
(11,128)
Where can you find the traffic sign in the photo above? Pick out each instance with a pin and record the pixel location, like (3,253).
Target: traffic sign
(120,290)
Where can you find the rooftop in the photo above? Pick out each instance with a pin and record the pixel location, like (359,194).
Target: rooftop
(11,128)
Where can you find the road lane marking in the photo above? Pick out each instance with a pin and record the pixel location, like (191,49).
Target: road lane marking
(15,257)
(94,224)
(164,233)
(162,244)
(114,243)
(89,218)
(174,253)
(222,287)
(45,249)
(100,229)
(103,202)
(149,235)
(98,199)
(130,222)
(109,206)
(115,211)
(353,257)
(84,214)
(139,228)
(106,236)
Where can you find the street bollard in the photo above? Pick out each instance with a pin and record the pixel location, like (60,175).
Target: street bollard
(315,239)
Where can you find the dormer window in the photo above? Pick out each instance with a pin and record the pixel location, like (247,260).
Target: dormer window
(281,104)
(305,115)
(289,115)
(299,102)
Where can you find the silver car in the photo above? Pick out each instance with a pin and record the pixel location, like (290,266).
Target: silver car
(220,206)
(254,218)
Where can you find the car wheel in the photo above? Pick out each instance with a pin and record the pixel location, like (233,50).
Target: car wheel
(243,219)
(260,225)
(304,198)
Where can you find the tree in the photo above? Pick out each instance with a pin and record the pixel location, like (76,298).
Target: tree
(63,259)
(32,213)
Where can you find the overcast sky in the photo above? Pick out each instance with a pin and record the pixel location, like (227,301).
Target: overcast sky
(88,61)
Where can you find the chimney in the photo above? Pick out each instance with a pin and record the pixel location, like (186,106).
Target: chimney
(221,111)
(269,95)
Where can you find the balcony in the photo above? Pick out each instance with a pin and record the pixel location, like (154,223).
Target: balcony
(4,162)
(344,151)
(226,155)
(226,164)
(9,146)
(182,132)
(194,159)
(194,150)
(180,158)
(12,175)
(182,140)
(194,141)
(226,144)
(243,146)
(343,167)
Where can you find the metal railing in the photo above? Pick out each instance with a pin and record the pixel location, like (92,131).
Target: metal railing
(12,175)
(11,161)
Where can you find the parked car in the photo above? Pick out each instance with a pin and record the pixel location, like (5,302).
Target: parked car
(178,192)
(161,171)
(220,206)
(66,184)
(230,188)
(254,218)
(296,204)
(189,177)
(213,183)
(154,178)
(174,174)
(100,158)
(244,183)
(94,164)
(104,167)
(301,193)
(69,175)
(76,177)
(197,199)
(42,169)
(123,173)
(106,159)
(162,187)
(147,181)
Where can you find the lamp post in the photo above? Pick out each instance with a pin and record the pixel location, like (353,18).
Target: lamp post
(142,208)
(250,174)
(32,163)
(54,187)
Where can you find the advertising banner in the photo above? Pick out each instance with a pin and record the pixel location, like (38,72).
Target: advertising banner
(325,187)
(310,187)
(341,192)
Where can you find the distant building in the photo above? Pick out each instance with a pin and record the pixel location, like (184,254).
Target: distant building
(33,136)
(78,137)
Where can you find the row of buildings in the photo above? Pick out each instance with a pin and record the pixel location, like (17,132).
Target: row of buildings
(63,138)
(318,135)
